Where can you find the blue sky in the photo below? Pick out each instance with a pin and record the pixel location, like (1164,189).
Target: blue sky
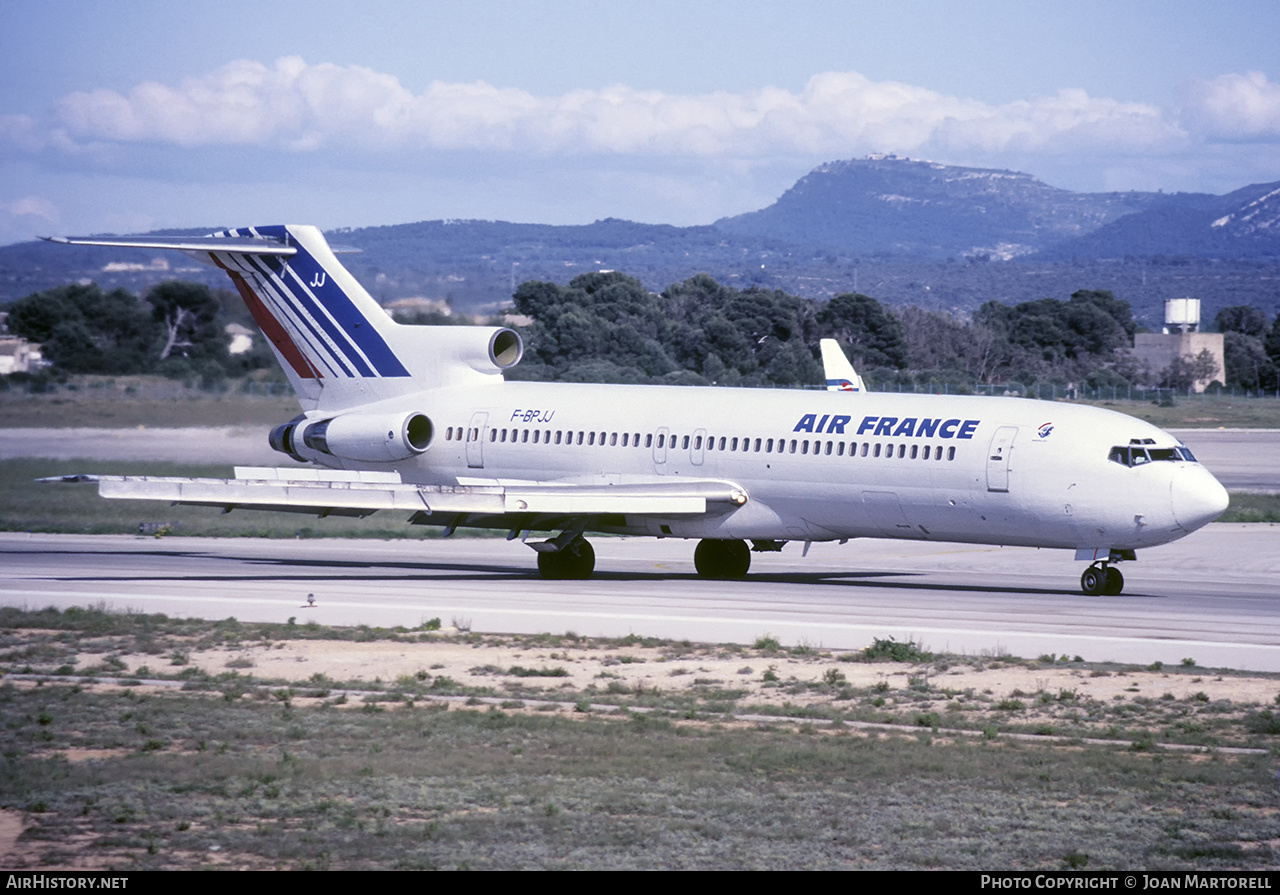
(131,116)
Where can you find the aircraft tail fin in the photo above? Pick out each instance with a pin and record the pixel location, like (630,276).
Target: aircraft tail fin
(839,372)
(337,345)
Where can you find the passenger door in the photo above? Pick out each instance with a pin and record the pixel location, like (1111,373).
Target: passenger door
(998,458)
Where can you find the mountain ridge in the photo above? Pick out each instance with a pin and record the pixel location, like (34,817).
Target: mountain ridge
(901,226)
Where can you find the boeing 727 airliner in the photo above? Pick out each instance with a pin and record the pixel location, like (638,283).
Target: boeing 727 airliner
(419,420)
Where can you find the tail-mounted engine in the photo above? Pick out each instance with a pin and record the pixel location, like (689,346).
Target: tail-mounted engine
(375,437)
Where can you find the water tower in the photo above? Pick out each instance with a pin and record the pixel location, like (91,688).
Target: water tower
(1181,315)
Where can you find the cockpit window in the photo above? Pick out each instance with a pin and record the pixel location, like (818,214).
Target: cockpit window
(1133,455)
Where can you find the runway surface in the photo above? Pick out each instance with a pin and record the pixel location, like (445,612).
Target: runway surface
(1242,459)
(1211,597)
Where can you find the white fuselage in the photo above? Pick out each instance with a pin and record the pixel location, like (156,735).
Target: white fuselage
(822,465)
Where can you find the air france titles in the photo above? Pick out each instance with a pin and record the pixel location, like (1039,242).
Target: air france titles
(888,426)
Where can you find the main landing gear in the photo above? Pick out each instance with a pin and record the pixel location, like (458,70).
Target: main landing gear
(722,559)
(574,561)
(1101,579)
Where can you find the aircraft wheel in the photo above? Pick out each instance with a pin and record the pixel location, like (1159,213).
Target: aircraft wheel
(706,559)
(722,559)
(1093,581)
(580,560)
(575,562)
(737,559)
(1114,582)
(551,566)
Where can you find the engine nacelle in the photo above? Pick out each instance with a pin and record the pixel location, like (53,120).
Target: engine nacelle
(375,437)
(445,351)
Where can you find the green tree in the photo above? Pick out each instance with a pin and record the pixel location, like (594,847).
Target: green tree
(1242,319)
(85,330)
(871,335)
(188,314)
(1187,371)
(1246,361)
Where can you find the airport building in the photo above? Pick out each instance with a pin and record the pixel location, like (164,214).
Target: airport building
(1181,338)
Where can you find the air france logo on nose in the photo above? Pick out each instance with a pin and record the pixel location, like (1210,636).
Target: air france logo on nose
(889,426)
(1045,430)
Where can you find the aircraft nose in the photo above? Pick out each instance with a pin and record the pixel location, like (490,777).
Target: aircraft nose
(1198,498)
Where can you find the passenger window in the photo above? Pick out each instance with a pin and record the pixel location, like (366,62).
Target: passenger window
(493,434)
(877,453)
(926,452)
(951,453)
(864,450)
(902,451)
(697,443)
(757,445)
(684,446)
(915,449)
(613,440)
(840,449)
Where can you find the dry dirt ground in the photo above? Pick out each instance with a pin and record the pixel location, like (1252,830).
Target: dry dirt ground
(559,674)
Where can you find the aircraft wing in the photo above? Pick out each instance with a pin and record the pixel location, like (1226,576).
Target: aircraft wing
(362,493)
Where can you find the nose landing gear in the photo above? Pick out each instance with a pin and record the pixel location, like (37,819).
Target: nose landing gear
(1101,579)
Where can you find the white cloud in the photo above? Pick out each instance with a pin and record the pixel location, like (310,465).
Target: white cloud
(22,218)
(1235,107)
(296,106)
(31,206)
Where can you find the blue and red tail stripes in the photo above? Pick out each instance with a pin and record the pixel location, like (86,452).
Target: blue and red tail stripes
(305,312)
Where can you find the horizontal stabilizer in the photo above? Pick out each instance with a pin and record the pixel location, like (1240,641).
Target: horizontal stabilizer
(241,244)
(245,245)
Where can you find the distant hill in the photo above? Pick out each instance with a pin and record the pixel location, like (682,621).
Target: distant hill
(899,207)
(1241,224)
(903,231)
